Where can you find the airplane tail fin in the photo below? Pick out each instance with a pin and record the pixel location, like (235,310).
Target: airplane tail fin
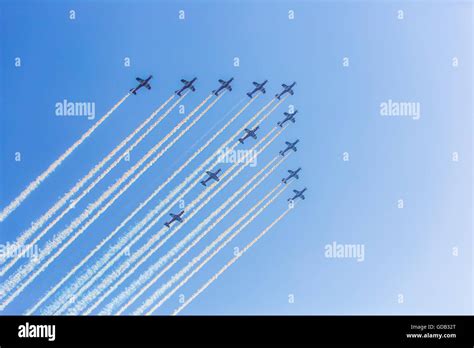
(297,177)
(302,197)
(193,89)
(293,120)
(263,90)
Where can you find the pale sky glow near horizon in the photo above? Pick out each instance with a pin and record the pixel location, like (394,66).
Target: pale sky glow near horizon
(384,96)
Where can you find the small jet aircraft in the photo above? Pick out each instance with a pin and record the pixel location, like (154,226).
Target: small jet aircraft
(298,194)
(288,117)
(174,217)
(187,84)
(289,146)
(250,133)
(286,89)
(224,85)
(258,87)
(142,83)
(211,176)
(293,174)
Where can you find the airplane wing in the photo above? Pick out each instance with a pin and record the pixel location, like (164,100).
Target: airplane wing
(139,79)
(255,84)
(290,171)
(295,191)
(247,130)
(184,81)
(291,92)
(286,114)
(284,86)
(287,143)
(208,172)
(221,81)
(148,86)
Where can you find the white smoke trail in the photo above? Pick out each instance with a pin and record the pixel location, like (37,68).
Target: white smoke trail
(57,240)
(148,165)
(181,273)
(140,283)
(104,264)
(196,259)
(131,215)
(227,265)
(91,296)
(63,200)
(52,167)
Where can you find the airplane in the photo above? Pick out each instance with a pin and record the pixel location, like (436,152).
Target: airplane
(175,217)
(293,174)
(258,87)
(286,89)
(187,84)
(224,85)
(288,117)
(142,83)
(290,146)
(250,133)
(298,194)
(211,175)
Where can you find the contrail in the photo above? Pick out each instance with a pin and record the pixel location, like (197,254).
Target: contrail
(58,239)
(106,282)
(137,210)
(52,167)
(141,284)
(196,259)
(98,275)
(64,234)
(50,213)
(114,251)
(97,180)
(162,232)
(235,258)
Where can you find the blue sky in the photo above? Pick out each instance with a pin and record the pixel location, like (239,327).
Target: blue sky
(407,251)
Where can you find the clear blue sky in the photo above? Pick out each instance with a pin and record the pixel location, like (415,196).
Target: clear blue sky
(407,251)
